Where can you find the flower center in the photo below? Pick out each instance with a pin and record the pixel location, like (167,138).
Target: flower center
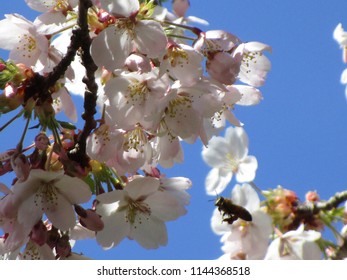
(46,196)
(135,139)
(179,106)
(177,57)
(137,93)
(136,211)
(232,163)
(27,45)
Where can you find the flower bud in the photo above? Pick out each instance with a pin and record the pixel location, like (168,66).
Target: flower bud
(20,166)
(180,7)
(63,247)
(39,233)
(89,219)
(41,141)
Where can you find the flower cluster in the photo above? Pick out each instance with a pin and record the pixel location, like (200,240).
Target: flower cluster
(279,227)
(153,80)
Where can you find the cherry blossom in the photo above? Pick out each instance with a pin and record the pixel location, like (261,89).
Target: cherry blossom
(117,41)
(136,98)
(52,194)
(228,156)
(295,245)
(241,239)
(26,44)
(138,212)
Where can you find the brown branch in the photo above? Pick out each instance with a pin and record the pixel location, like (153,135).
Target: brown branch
(306,211)
(90,95)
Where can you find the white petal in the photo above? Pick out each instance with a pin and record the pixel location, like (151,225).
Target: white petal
(114,231)
(30,212)
(247,169)
(215,154)
(110,48)
(250,95)
(142,187)
(150,38)
(74,189)
(164,206)
(123,8)
(150,234)
(62,214)
(237,141)
(245,196)
(217,180)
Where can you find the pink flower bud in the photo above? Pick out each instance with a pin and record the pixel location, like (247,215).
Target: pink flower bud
(89,219)
(180,7)
(41,141)
(138,63)
(2,67)
(20,166)
(63,247)
(39,233)
(312,196)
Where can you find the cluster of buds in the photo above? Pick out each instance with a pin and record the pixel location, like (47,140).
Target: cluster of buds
(281,206)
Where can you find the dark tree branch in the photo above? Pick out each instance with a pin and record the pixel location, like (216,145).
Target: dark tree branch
(90,95)
(306,211)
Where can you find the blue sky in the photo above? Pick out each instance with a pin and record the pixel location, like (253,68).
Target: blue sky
(298,132)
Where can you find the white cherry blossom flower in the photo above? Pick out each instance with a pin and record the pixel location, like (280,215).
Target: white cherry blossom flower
(295,245)
(135,152)
(104,143)
(115,43)
(244,240)
(135,98)
(26,44)
(228,156)
(52,194)
(183,63)
(138,212)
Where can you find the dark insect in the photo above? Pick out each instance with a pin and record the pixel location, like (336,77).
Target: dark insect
(231,212)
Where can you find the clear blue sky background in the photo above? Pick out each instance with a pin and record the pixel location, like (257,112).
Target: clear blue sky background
(298,133)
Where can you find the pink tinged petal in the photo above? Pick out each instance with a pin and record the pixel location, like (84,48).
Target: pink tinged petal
(224,67)
(150,38)
(231,118)
(169,150)
(123,8)
(142,187)
(165,206)
(73,189)
(111,48)
(41,6)
(9,34)
(60,213)
(116,228)
(150,234)
(180,7)
(50,23)
(249,95)
(65,103)
(247,169)
(217,180)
